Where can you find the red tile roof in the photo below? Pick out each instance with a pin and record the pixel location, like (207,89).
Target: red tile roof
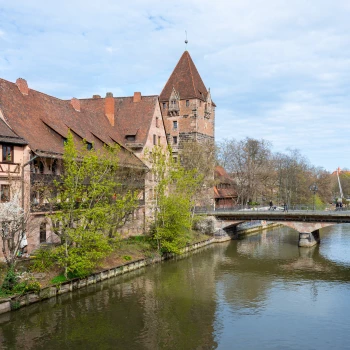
(8,136)
(186,81)
(43,121)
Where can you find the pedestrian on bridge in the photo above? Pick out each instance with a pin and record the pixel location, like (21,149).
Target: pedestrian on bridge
(271,205)
(285,207)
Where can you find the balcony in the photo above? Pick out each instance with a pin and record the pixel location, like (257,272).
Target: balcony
(174,109)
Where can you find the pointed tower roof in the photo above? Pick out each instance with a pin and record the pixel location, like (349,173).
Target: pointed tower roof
(186,80)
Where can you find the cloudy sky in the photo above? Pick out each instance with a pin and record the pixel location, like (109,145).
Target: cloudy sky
(277,69)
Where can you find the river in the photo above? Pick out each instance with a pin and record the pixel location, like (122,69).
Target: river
(262,292)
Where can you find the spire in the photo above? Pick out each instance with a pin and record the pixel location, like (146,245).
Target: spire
(186,80)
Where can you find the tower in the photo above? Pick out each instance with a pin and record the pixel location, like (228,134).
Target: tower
(186,105)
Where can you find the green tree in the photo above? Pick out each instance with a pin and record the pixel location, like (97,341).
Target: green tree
(174,200)
(91,200)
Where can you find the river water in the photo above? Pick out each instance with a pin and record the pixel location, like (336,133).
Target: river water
(262,292)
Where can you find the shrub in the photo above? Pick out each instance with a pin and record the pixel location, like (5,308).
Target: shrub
(44,260)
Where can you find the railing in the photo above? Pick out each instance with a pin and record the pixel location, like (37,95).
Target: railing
(274,208)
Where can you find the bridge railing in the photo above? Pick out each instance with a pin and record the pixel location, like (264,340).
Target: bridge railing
(239,207)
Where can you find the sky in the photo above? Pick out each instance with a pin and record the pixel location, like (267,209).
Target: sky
(278,70)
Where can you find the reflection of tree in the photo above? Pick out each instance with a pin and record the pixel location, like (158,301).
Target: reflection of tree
(170,305)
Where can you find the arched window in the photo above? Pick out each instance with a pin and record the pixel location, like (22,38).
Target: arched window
(43,232)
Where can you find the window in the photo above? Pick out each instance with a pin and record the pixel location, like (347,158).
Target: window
(158,140)
(173,103)
(157,122)
(130,138)
(175,140)
(164,105)
(5,193)
(89,146)
(187,103)
(43,232)
(64,140)
(7,153)
(175,159)
(154,139)
(175,125)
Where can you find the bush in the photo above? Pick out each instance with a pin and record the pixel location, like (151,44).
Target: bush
(10,280)
(44,260)
(27,286)
(127,257)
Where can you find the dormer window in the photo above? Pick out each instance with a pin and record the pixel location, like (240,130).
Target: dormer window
(89,146)
(7,153)
(173,103)
(130,138)
(164,105)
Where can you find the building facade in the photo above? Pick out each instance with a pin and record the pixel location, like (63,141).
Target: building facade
(34,127)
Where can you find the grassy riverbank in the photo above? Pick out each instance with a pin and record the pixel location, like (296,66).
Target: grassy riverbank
(36,273)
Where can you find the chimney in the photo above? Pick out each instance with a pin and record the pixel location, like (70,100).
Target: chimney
(109,107)
(22,86)
(137,96)
(96,96)
(75,103)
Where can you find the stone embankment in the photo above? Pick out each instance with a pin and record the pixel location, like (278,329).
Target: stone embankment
(18,301)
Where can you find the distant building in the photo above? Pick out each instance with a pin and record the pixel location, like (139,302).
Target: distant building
(225,193)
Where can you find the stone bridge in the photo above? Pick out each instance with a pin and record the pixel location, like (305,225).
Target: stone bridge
(307,223)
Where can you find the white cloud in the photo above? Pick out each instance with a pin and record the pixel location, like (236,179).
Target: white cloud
(277,69)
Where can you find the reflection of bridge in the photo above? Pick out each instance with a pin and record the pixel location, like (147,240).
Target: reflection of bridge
(307,223)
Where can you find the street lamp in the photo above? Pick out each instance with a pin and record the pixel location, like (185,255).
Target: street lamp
(314,189)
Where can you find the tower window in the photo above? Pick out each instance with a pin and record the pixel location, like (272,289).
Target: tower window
(175,125)
(175,140)
(154,139)
(157,122)
(164,105)
(187,103)
(158,140)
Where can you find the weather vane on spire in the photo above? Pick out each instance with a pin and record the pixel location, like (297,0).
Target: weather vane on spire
(186,41)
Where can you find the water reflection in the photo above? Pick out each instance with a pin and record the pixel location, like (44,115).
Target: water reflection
(262,292)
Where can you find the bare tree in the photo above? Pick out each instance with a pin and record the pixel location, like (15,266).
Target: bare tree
(13,221)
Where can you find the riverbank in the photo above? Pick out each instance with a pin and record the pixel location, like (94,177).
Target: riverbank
(18,301)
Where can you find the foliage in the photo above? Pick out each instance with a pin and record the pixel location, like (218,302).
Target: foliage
(199,158)
(26,287)
(127,257)
(174,200)
(58,279)
(10,280)
(92,201)
(44,259)
(262,176)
